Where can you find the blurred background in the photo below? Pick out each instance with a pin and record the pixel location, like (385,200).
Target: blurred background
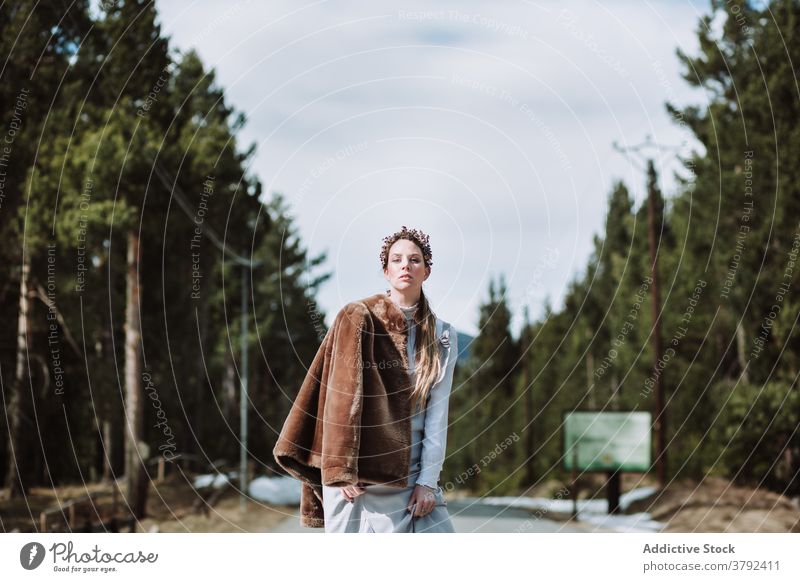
(191,190)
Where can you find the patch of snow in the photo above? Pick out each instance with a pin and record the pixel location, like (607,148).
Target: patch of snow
(281,490)
(634,495)
(594,511)
(637,522)
(215,480)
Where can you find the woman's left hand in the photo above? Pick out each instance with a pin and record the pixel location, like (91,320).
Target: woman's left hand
(422,501)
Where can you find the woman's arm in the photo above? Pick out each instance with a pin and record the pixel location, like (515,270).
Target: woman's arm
(435,438)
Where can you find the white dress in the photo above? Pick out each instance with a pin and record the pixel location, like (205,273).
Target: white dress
(381,508)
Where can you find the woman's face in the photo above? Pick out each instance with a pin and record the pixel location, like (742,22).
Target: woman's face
(406,268)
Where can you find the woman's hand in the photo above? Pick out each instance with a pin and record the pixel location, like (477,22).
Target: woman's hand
(352,491)
(422,501)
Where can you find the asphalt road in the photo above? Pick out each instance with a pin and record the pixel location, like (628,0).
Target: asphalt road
(470,517)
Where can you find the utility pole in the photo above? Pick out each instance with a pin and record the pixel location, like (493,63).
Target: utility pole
(243,394)
(660,416)
(659,412)
(248,266)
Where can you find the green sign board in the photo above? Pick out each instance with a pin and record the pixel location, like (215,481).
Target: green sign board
(607,441)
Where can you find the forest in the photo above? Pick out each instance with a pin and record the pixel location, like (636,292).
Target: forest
(131,224)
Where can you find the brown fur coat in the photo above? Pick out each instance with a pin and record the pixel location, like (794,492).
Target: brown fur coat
(346,426)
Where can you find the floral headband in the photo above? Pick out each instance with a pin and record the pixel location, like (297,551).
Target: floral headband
(417,236)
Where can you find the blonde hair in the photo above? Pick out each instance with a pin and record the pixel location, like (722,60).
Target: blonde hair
(427,365)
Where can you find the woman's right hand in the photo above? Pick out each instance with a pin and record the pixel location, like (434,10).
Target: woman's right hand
(352,491)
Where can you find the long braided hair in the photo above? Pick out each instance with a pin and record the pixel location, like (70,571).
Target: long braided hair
(427,365)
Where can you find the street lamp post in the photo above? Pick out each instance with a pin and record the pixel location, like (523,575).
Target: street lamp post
(243,396)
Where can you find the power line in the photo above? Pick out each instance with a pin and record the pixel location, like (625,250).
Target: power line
(207,231)
(248,266)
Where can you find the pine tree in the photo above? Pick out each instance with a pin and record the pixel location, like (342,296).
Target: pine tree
(492,387)
(37,40)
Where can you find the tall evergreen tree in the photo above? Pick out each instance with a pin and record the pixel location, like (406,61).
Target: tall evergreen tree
(492,417)
(36,42)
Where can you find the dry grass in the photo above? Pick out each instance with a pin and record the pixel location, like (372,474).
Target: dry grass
(716,505)
(172,506)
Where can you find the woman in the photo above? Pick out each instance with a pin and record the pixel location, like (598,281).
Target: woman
(420,506)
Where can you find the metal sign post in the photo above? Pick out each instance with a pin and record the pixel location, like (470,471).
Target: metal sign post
(611,442)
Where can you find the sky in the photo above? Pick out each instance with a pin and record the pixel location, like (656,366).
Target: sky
(488,125)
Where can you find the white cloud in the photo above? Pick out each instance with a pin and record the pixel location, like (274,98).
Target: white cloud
(488,126)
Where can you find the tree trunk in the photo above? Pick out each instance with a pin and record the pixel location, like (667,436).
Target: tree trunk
(200,374)
(613,403)
(476,412)
(229,405)
(108,441)
(103,351)
(741,349)
(135,448)
(530,441)
(590,400)
(14,403)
